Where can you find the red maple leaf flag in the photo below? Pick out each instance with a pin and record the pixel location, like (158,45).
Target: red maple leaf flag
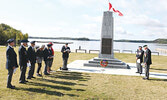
(110,6)
(117,11)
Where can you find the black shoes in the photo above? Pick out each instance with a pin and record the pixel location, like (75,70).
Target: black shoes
(46,74)
(25,81)
(29,78)
(22,82)
(39,75)
(144,78)
(33,77)
(11,87)
(63,68)
(137,72)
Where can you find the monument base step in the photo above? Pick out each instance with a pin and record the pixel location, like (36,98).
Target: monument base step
(112,63)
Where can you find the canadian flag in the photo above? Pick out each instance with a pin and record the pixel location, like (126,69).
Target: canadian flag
(110,6)
(116,11)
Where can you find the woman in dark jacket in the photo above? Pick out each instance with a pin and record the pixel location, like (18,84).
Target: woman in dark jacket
(39,56)
(48,57)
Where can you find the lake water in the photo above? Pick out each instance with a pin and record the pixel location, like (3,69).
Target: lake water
(95,45)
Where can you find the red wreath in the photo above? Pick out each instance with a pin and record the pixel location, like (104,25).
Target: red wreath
(103,63)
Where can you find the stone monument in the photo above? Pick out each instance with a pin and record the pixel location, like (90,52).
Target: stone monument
(106,48)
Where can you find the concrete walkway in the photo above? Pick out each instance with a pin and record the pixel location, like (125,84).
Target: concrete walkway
(77,66)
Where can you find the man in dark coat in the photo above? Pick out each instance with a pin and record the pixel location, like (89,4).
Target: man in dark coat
(139,59)
(147,61)
(32,59)
(11,62)
(65,54)
(23,60)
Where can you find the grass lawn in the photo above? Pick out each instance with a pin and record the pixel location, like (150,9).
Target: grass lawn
(85,86)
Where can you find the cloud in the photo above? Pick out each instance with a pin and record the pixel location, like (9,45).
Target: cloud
(91,18)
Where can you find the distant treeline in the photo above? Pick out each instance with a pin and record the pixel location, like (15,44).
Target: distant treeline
(7,32)
(64,38)
(160,41)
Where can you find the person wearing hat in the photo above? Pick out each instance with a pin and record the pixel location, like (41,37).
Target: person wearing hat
(65,55)
(11,62)
(39,57)
(32,59)
(47,58)
(139,59)
(23,60)
(52,55)
(147,61)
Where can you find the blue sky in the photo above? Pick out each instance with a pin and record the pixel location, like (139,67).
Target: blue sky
(143,19)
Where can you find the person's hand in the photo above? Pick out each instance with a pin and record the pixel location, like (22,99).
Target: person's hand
(64,51)
(14,67)
(145,63)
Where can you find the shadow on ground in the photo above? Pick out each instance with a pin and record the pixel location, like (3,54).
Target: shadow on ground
(70,76)
(165,80)
(39,90)
(158,69)
(42,85)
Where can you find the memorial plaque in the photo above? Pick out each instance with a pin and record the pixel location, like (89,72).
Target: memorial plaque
(106,46)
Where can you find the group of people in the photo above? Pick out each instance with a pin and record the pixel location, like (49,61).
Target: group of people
(146,52)
(29,58)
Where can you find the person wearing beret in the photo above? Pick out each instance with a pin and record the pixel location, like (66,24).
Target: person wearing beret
(147,61)
(139,59)
(52,54)
(32,59)
(11,62)
(23,60)
(48,59)
(65,54)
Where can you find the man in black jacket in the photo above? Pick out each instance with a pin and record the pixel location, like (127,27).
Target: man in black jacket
(23,60)
(147,61)
(11,62)
(32,59)
(65,54)
(139,59)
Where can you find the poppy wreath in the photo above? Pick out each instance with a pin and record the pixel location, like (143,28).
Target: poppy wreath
(103,63)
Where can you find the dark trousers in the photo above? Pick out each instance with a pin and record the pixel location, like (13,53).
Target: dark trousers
(23,72)
(45,69)
(51,62)
(10,74)
(139,68)
(31,70)
(39,67)
(147,67)
(65,60)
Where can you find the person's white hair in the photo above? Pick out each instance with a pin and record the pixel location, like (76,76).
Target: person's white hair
(42,46)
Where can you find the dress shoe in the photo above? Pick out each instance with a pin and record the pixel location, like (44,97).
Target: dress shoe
(144,78)
(11,87)
(137,72)
(33,77)
(29,78)
(25,81)
(46,74)
(65,69)
(22,82)
(39,75)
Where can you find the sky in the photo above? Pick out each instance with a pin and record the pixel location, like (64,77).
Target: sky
(142,20)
